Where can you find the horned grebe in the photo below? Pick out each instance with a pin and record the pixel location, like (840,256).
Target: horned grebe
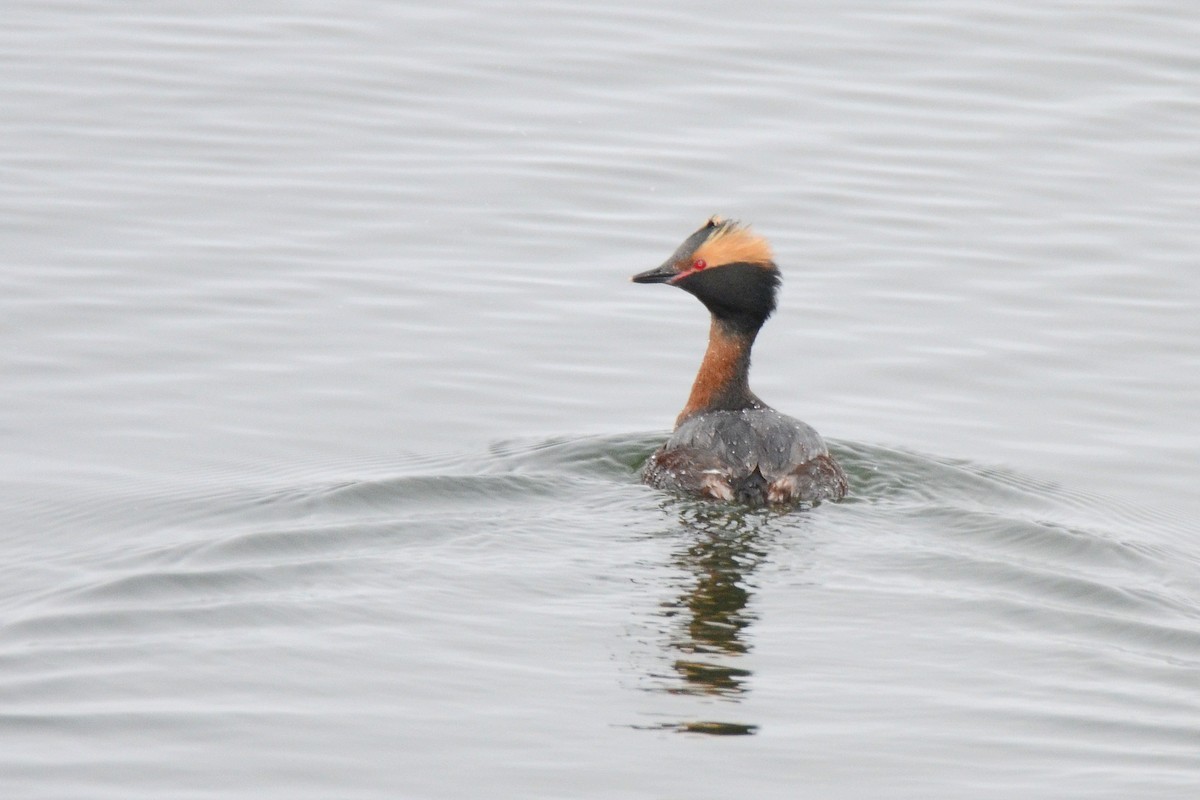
(728,444)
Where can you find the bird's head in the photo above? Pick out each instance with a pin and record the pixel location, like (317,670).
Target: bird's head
(727,267)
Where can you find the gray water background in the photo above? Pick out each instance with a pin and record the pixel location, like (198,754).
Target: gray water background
(325,391)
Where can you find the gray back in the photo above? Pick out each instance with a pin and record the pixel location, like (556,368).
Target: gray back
(762,437)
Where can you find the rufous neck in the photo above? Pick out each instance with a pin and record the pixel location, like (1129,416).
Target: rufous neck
(723,381)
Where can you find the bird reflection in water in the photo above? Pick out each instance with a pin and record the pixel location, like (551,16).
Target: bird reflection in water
(719,551)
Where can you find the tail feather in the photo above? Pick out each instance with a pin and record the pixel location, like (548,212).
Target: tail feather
(752,489)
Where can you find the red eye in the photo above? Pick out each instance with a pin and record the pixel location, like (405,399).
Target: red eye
(699,265)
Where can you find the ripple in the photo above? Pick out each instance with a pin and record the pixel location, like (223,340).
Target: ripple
(461,562)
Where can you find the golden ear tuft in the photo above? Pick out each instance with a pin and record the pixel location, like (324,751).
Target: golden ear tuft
(714,221)
(732,243)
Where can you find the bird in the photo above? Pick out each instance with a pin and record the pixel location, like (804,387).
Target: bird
(727,444)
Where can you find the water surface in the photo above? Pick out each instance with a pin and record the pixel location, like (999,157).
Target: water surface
(326,392)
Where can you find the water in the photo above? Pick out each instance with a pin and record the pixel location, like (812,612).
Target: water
(326,391)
